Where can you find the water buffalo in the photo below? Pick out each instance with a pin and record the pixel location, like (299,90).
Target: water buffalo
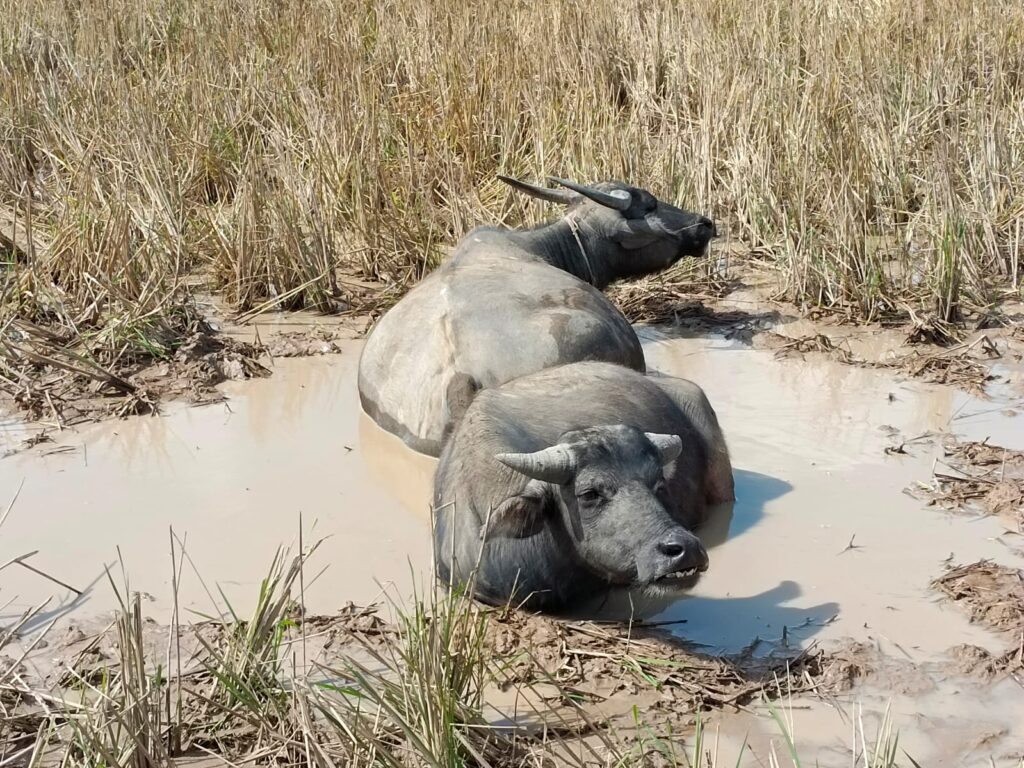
(558,485)
(509,302)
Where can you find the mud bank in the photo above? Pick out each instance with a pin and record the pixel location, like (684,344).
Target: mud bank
(822,545)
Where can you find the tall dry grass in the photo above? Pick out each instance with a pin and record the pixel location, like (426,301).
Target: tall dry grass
(871,149)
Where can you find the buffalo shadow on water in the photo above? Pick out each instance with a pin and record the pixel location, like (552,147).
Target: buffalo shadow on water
(755,624)
(727,521)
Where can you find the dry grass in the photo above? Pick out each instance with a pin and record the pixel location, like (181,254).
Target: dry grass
(992,595)
(977,478)
(277,147)
(281,687)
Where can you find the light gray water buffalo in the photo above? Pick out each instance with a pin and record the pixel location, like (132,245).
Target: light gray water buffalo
(583,477)
(509,302)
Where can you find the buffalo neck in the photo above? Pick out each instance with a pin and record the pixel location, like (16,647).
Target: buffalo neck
(543,571)
(580,252)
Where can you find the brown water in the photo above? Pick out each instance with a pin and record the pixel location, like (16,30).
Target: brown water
(232,481)
(807,440)
(808,444)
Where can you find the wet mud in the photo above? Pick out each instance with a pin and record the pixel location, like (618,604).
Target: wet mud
(823,550)
(52,382)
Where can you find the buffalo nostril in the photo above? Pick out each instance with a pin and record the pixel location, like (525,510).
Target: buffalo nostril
(670,549)
(710,225)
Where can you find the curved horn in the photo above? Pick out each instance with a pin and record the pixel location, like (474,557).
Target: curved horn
(620,199)
(669,446)
(552,465)
(550,195)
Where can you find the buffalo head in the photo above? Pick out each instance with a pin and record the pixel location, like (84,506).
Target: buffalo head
(607,489)
(649,234)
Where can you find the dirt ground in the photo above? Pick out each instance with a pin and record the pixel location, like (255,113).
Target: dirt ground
(575,676)
(992,595)
(978,478)
(56,395)
(552,678)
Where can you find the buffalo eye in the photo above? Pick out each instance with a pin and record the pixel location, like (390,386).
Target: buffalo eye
(588,496)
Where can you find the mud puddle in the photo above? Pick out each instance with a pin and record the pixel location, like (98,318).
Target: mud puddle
(233,480)
(821,504)
(822,545)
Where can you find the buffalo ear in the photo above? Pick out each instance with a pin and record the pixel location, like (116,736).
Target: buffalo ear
(519,516)
(633,234)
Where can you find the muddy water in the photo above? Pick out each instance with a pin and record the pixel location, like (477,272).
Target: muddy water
(822,543)
(821,507)
(232,481)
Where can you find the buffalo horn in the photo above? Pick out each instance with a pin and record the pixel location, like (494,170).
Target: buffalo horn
(620,202)
(551,465)
(550,195)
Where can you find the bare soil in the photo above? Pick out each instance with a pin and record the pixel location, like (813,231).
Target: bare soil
(992,595)
(49,381)
(978,477)
(554,679)
(614,664)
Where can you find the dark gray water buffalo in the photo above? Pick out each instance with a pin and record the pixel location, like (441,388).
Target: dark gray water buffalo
(592,475)
(511,302)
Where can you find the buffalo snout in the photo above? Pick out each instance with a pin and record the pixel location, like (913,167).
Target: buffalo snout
(694,233)
(679,556)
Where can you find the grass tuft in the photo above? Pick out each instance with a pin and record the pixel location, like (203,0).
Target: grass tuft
(286,688)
